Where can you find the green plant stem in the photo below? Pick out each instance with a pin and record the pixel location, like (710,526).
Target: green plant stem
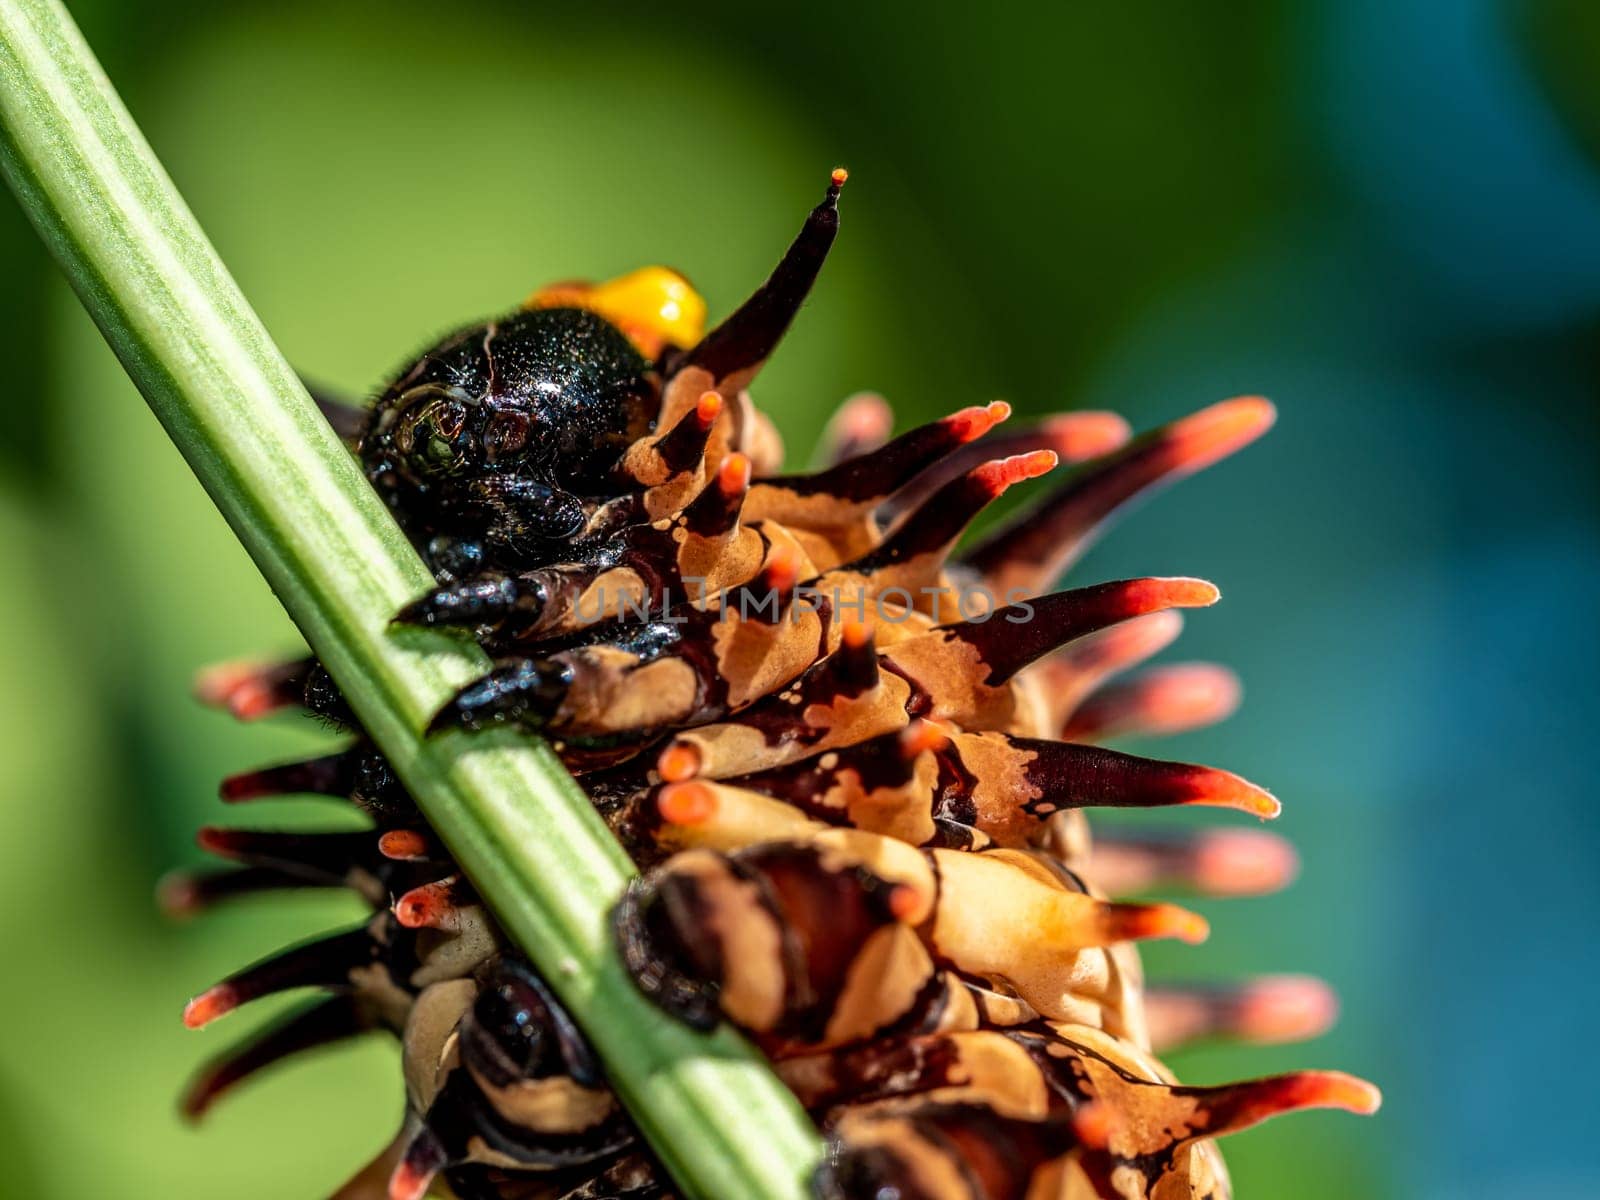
(521,828)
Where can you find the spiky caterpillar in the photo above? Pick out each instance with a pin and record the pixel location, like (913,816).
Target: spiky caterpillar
(854,766)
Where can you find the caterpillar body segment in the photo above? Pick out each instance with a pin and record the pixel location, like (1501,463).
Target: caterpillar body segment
(879,921)
(932,784)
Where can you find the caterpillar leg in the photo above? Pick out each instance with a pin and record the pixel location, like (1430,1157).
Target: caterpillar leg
(524,692)
(643,570)
(527,512)
(451,557)
(484,599)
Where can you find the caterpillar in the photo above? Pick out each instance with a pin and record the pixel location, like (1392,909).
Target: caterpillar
(851,752)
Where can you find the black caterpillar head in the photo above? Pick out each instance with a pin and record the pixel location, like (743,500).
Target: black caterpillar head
(508,426)
(506,439)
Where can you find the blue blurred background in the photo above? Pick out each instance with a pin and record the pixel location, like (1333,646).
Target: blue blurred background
(1384,214)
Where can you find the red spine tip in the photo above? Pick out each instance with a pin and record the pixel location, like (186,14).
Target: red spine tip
(214,684)
(1141,638)
(1258,801)
(1319,1089)
(1182,592)
(1285,1008)
(214,839)
(733,476)
(1091,1125)
(1191,694)
(1083,435)
(425,907)
(679,762)
(854,634)
(1163,700)
(411,910)
(923,735)
(707,408)
(972,423)
(1140,921)
(247,785)
(1189,927)
(1351,1094)
(403,845)
(1223,789)
(1002,473)
(1243,862)
(782,570)
(1119,646)
(866,418)
(209,1005)
(177,896)
(251,701)
(686,803)
(410,1182)
(1214,433)
(904,903)
(248,690)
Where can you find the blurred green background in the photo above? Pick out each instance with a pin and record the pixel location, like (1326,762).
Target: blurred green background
(1385,214)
